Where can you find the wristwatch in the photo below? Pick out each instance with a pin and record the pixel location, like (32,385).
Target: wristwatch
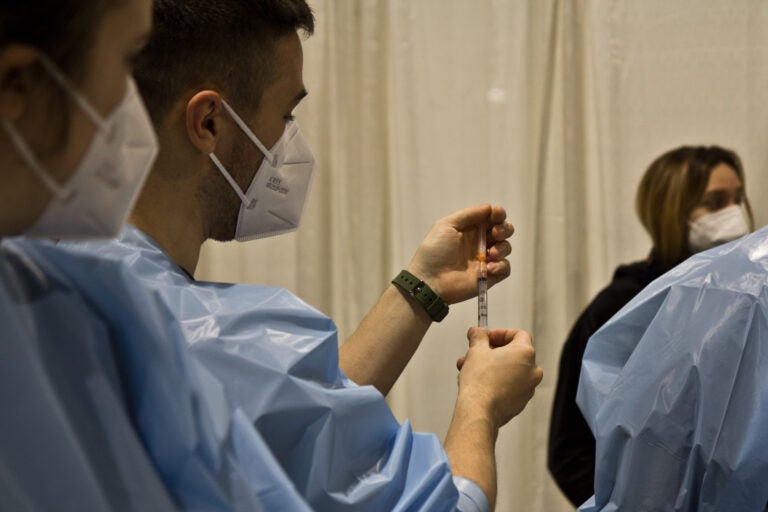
(432,303)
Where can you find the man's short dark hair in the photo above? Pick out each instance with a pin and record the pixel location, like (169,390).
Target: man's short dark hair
(227,45)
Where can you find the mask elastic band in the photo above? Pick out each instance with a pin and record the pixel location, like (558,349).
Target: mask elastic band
(61,192)
(233,184)
(64,82)
(267,153)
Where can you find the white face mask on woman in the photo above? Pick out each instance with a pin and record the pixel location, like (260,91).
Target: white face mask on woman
(95,201)
(275,199)
(717,228)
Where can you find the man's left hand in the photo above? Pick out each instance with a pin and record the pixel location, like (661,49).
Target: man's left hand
(447,258)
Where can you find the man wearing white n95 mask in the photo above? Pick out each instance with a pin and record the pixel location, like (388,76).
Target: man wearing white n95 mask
(97,413)
(221,80)
(86,188)
(61,90)
(94,202)
(275,199)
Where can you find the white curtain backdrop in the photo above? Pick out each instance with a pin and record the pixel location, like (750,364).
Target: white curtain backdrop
(551,108)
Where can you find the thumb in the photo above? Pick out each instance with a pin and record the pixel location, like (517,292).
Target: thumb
(478,337)
(469,217)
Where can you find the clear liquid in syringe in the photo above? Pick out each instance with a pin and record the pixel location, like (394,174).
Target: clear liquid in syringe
(482,281)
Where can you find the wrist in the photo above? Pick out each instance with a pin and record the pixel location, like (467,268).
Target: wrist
(474,410)
(427,277)
(421,292)
(414,306)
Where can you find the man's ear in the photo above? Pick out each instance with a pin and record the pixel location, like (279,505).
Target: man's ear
(205,117)
(17,79)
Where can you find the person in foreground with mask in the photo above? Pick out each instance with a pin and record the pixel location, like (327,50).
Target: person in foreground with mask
(674,385)
(690,199)
(99,413)
(221,82)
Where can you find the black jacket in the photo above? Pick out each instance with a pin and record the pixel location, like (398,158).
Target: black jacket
(571,450)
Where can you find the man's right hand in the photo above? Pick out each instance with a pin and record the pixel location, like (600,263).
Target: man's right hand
(498,375)
(497,378)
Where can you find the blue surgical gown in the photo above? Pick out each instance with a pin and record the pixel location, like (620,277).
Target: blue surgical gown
(675,388)
(102,406)
(278,359)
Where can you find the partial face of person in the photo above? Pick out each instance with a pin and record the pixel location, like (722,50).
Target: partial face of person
(270,197)
(719,218)
(276,106)
(59,149)
(723,189)
(121,35)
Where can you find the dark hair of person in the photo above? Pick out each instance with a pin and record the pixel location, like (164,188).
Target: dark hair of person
(671,188)
(225,45)
(64,30)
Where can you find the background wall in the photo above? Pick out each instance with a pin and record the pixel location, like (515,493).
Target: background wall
(552,108)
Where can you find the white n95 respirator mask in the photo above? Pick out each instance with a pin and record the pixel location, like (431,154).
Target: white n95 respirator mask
(95,201)
(275,199)
(717,228)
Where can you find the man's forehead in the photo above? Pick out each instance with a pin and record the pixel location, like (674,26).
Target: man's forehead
(288,52)
(289,64)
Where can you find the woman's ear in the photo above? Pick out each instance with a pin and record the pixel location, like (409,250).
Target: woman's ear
(204,118)
(17,77)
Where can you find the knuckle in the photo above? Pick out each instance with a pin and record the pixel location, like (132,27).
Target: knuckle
(528,352)
(524,335)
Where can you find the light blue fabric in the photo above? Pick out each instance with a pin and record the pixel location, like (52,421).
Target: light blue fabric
(103,406)
(675,388)
(278,359)
(471,497)
(66,440)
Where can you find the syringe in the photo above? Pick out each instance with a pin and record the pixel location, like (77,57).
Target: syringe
(482,281)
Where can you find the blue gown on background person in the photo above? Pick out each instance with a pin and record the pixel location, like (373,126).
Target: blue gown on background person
(103,407)
(675,388)
(278,359)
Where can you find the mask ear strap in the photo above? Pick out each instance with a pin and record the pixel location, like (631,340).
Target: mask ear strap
(64,82)
(238,120)
(248,204)
(61,192)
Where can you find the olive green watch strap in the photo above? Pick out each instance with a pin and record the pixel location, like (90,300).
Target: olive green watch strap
(435,306)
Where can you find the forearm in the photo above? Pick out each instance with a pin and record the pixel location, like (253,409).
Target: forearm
(380,348)
(470,445)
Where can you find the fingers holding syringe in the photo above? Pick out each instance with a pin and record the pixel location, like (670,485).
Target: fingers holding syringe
(499,338)
(498,267)
(498,246)
(500,227)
